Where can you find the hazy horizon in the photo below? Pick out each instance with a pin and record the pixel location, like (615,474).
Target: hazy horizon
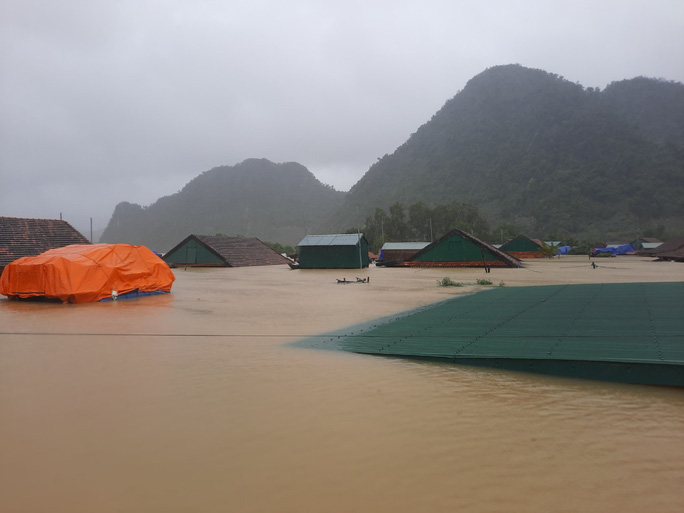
(104,102)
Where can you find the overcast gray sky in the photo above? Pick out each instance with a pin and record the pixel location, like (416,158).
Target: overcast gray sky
(128,100)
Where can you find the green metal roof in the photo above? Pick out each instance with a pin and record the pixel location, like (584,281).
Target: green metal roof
(520,243)
(619,332)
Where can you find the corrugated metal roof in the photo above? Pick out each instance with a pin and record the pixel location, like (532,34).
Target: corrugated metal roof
(404,246)
(521,243)
(340,239)
(628,332)
(485,254)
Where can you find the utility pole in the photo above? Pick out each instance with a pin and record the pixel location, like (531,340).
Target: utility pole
(358,234)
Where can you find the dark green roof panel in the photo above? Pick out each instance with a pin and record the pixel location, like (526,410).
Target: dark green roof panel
(345,251)
(627,332)
(456,248)
(520,243)
(193,252)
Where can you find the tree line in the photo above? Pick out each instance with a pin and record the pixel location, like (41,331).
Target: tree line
(420,222)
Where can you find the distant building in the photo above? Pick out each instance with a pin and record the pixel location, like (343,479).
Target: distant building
(523,247)
(31,237)
(459,249)
(207,251)
(400,251)
(335,251)
(644,243)
(671,250)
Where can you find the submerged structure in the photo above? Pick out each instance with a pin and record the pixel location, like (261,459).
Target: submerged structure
(627,332)
(335,251)
(399,251)
(523,247)
(81,273)
(458,249)
(21,237)
(672,250)
(221,251)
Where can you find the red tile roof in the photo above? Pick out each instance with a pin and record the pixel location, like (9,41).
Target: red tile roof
(30,237)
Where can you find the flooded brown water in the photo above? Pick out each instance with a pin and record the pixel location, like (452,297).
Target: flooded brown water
(196,402)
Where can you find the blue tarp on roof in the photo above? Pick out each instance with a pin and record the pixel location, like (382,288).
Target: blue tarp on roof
(624,249)
(598,251)
(563,250)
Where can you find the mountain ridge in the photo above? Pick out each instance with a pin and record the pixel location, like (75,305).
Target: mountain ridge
(529,147)
(526,147)
(255,198)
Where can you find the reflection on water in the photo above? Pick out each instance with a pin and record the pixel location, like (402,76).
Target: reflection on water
(163,405)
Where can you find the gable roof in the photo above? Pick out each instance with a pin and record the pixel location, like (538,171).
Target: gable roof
(236,251)
(21,237)
(521,243)
(670,245)
(672,249)
(487,256)
(337,239)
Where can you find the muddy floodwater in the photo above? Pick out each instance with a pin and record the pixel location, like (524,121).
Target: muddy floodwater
(197,401)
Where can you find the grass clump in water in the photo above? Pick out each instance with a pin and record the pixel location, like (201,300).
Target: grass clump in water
(484,282)
(448,282)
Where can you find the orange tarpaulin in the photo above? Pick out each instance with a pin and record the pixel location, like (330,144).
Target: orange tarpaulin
(83,273)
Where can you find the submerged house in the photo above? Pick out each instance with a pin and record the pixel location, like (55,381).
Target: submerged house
(399,251)
(220,251)
(523,247)
(459,249)
(31,237)
(672,250)
(646,243)
(81,273)
(335,251)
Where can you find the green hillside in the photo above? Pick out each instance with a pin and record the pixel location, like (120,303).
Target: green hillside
(518,150)
(257,198)
(532,149)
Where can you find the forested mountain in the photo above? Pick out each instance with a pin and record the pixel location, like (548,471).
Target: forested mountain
(257,198)
(532,149)
(517,150)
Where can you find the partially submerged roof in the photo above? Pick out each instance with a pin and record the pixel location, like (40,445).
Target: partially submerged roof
(338,239)
(651,245)
(627,332)
(521,243)
(460,249)
(224,251)
(404,246)
(30,237)
(670,250)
